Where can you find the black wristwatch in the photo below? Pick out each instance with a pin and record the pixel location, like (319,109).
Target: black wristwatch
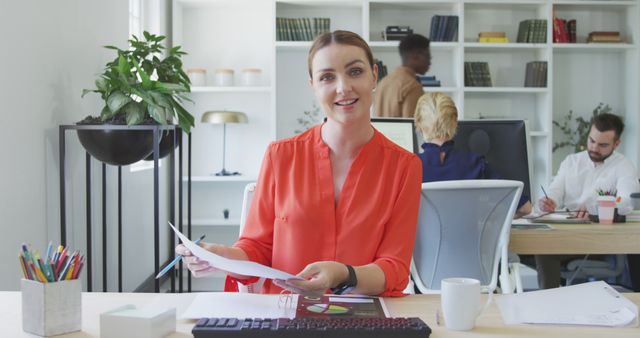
(348,285)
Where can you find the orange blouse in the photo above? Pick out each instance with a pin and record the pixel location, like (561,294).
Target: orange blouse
(294,220)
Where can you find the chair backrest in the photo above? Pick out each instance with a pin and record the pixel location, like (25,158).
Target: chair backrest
(463,231)
(246,205)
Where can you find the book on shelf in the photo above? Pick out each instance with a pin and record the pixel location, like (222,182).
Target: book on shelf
(536,74)
(395,33)
(564,31)
(571,28)
(428,80)
(493,39)
(492,35)
(476,74)
(601,36)
(532,31)
(444,28)
(301,29)
(382,69)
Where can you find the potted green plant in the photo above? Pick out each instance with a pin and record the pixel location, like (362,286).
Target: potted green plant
(140,86)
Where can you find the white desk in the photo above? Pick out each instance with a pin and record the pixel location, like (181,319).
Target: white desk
(489,324)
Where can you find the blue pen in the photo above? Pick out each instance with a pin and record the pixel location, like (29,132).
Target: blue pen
(175,261)
(46,258)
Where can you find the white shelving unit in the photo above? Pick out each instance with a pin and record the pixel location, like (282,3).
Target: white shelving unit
(240,34)
(579,75)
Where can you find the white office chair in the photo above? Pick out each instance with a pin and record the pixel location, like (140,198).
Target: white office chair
(246,205)
(585,269)
(463,231)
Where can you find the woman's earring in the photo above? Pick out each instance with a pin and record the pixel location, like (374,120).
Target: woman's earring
(374,88)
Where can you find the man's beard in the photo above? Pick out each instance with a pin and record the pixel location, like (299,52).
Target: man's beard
(595,157)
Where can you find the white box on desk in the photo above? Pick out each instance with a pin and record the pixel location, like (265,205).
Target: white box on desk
(50,309)
(127,321)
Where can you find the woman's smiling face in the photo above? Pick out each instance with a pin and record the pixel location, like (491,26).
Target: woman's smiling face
(343,82)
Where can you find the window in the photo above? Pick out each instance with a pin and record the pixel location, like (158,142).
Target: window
(135,17)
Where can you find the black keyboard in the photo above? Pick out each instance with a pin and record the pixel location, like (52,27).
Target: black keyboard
(312,328)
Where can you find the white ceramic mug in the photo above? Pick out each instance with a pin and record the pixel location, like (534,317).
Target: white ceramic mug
(460,302)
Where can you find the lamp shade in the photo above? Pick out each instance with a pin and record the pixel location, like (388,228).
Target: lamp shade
(219,117)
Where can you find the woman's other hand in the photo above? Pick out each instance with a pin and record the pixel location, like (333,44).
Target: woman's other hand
(316,278)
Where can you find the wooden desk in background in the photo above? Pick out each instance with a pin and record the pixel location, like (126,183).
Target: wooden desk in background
(489,324)
(619,238)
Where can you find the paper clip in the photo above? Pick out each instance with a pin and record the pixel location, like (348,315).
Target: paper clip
(285,302)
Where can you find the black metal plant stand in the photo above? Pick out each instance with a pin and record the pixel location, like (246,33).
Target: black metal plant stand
(155,130)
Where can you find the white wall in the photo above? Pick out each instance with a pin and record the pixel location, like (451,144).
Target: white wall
(51,51)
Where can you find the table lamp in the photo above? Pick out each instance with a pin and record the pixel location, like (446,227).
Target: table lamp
(224,117)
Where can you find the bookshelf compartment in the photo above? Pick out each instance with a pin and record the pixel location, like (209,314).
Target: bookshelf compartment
(417,15)
(585,80)
(539,154)
(496,105)
(503,17)
(192,20)
(245,143)
(507,66)
(443,64)
(596,17)
(344,15)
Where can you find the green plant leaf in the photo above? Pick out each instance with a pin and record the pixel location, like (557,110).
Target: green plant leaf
(117,100)
(158,113)
(146,80)
(106,114)
(170,87)
(102,84)
(135,113)
(161,99)
(86,91)
(123,65)
(185,120)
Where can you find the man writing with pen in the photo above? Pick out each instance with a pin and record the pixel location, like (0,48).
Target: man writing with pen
(581,175)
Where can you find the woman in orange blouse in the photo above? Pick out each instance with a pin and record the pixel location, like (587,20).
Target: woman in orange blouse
(338,204)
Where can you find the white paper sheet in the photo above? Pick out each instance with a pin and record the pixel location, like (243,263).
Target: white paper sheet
(240,305)
(239,267)
(595,303)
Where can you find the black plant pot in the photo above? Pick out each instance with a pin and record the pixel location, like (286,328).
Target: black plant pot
(166,145)
(117,147)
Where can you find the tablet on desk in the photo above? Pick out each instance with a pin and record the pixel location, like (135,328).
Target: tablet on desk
(560,219)
(530,226)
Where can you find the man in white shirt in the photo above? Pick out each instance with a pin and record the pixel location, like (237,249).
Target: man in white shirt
(580,175)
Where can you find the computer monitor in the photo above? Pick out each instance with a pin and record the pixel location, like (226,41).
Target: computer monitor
(399,130)
(502,142)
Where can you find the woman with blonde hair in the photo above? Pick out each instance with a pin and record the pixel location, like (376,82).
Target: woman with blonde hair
(437,118)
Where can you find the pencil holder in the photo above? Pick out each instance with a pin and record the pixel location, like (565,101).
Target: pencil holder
(50,309)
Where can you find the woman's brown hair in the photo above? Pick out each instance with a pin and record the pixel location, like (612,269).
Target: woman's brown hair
(340,37)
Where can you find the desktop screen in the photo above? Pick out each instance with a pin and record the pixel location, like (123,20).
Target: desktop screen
(502,142)
(399,130)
